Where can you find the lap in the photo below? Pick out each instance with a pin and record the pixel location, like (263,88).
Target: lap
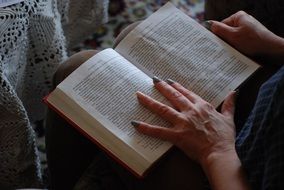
(70,154)
(174,171)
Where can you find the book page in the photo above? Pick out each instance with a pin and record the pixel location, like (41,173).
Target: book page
(105,86)
(169,44)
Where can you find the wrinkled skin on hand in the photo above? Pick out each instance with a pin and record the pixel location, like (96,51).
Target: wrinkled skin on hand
(197,128)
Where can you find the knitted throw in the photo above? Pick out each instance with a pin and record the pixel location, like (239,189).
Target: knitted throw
(33,36)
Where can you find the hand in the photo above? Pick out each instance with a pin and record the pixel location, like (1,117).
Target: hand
(197,128)
(248,35)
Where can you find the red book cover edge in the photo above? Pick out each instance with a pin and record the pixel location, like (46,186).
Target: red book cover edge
(93,140)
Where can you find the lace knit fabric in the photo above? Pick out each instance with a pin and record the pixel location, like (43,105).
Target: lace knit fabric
(32,45)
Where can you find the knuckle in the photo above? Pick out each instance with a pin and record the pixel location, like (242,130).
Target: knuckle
(215,28)
(194,112)
(176,95)
(180,118)
(191,116)
(188,93)
(199,111)
(203,114)
(241,13)
(148,103)
(205,110)
(161,85)
(207,106)
(164,110)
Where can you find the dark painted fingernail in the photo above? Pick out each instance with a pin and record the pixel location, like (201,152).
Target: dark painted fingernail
(135,123)
(207,24)
(170,81)
(156,79)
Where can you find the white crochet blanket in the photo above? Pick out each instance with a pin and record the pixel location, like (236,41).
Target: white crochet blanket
(32,45)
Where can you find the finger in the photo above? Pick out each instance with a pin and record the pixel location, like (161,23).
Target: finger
(163,133)
(230,21)
(234,19)
(228,107)
(187,93)
(164,111)
(223,30)
(177,99)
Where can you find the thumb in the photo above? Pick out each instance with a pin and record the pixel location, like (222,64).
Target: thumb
(222,30)
(228,107)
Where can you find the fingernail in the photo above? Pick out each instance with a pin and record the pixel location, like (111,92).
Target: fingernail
(170,81)
(135,123)
(156,79)
(207,24)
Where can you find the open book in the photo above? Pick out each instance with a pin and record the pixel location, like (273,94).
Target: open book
(99,97)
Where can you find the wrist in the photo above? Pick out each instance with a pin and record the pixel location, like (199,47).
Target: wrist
(224,170)
(218,157)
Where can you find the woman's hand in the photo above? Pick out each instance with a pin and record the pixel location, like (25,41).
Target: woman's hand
(197,128)
(249,36)
(204,134)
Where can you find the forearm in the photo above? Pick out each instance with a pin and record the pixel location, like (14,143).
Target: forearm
(224,171)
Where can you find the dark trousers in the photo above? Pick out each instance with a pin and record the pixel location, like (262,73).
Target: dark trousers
(69,153)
